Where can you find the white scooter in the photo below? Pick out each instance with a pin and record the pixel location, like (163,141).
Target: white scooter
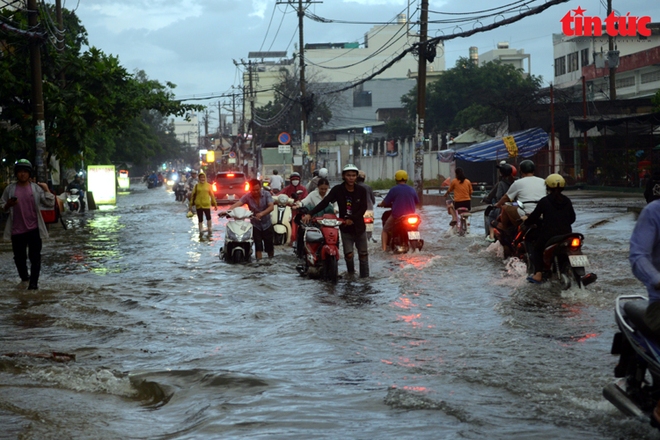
(281,219)
(238,236)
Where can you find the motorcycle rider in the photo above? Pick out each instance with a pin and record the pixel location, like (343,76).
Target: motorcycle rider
(352,202)
(506,179)
(317,175)
(190,185)
(25,226)
(645,262)
(462,189)
(403,200)
(260,202)
(555,214)
(275,182)
(77,184)
(528,190)
(295,190)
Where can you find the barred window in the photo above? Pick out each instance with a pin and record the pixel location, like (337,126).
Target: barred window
(650,77)
(625,82)
(573,62)
(560,66)
(584,57)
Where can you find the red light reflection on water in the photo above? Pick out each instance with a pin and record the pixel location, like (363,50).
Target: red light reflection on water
(587,336)
(411,319)
(404,303)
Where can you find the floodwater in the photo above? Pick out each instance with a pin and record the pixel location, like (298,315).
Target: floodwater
(172,343)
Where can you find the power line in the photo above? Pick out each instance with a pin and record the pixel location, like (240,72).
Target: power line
(436,40)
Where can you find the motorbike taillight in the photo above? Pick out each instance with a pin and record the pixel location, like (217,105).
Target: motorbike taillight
(413,220)
(576,243)
(247,186)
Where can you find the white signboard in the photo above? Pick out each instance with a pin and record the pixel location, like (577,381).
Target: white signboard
(101,183)
(284,149)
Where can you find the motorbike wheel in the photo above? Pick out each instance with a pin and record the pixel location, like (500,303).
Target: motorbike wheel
(565,275)
(237,256)
(330,269)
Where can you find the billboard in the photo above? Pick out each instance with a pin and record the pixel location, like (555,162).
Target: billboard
(101,182)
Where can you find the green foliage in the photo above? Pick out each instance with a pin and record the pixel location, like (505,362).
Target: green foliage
(656,101)
(468,95)
(399,128)
(287,111)
(92,104)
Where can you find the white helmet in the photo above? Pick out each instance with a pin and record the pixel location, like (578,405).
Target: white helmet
(350,167)
(323,172)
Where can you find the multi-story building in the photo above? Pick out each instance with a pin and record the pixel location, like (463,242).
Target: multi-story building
(506,55)
(637,61)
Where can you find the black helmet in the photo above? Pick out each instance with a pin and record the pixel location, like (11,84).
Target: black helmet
(527,166)
(23,164)
(505,170)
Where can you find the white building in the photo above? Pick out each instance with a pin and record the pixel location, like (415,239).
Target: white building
(637,74)
(506,55)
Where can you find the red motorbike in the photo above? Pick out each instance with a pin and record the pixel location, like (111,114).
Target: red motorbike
(321,248)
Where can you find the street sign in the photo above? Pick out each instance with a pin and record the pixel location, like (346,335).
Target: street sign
(284,138)
(232,154)
(284,149)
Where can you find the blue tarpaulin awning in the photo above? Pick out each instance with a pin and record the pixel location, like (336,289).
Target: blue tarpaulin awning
(529,142)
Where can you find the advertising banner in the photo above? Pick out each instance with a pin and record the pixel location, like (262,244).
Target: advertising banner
(101,181)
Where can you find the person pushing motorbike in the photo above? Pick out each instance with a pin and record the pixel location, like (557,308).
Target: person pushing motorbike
(403,200)
(352,202)
(25,226)
(260,202)
(557,213)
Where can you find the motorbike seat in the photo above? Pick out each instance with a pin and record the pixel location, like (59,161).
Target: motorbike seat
(635,311)
(313,235)
(558,238)
(463,211)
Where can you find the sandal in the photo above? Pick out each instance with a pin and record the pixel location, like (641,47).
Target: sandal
(533,281)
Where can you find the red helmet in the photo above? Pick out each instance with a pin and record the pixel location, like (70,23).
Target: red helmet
(514,171)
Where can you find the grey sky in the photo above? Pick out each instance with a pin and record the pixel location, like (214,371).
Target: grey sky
(192,43)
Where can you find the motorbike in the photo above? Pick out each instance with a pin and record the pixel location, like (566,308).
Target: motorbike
(74,201)
(461,219)
(636,388)
(405,234)
(237,247)
(180,191)
(369,224)
(281,217)
(321,248)
(562,259)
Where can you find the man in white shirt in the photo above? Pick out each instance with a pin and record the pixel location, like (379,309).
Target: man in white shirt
(527,191)
(275,182)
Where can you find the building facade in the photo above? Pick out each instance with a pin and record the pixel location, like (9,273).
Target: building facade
(637,61)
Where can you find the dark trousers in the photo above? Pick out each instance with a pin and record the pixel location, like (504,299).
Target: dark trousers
(24,245)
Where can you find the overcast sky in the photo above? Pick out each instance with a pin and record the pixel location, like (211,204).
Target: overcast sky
(192,43)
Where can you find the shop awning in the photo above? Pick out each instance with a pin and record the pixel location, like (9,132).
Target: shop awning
(529,142)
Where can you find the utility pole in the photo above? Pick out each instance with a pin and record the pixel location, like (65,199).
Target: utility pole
(611,49)
(37,96)
(421,102)
(301,57)
(60,42)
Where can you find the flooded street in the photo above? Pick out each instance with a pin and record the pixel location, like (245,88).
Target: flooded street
(170,342)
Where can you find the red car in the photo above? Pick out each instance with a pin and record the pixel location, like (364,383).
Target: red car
(229,186)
